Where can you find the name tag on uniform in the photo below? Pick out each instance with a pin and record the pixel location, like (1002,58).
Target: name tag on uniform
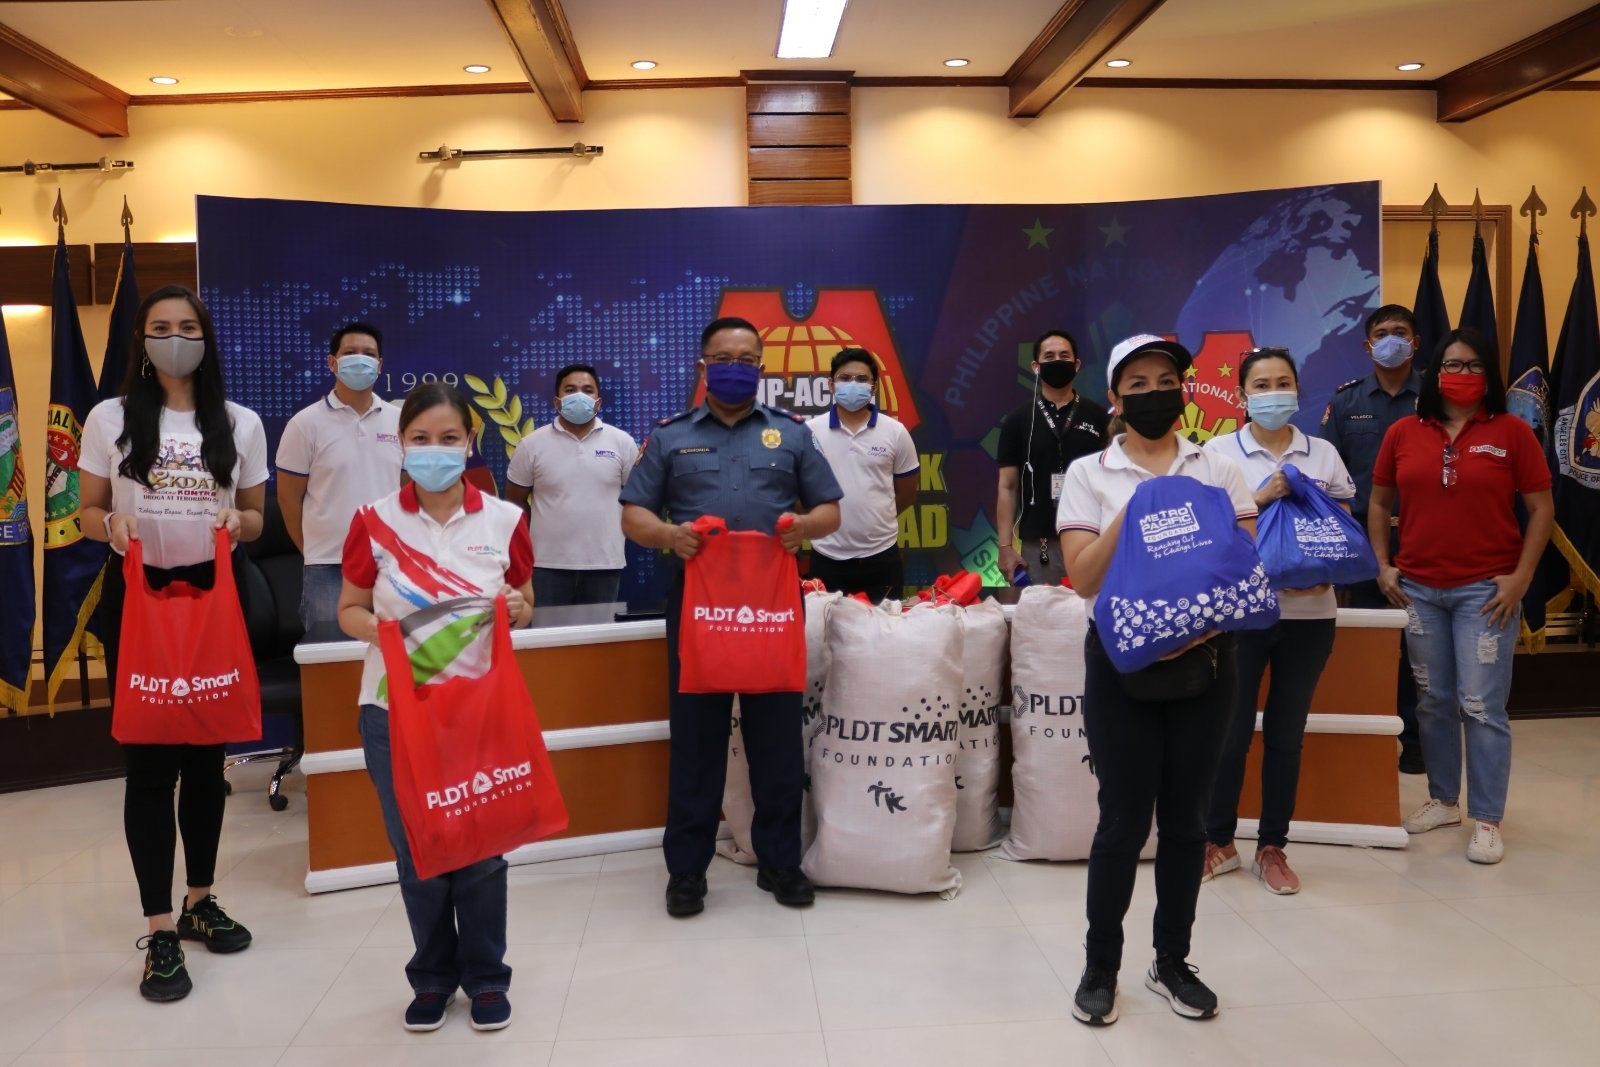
(1057,480)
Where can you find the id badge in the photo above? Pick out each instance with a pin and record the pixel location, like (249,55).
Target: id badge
(1057,480)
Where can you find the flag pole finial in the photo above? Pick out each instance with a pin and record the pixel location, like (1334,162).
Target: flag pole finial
(1477,214)
(127,220)
(60,215)
(1435,205)
(1533,206)
(1582,210)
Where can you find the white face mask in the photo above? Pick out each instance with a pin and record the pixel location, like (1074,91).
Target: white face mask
(175,356)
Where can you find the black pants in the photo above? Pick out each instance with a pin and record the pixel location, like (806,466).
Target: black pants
(153,774)
(1150,755)
(880,575)
(154,771)
(701,723)
(1297,650)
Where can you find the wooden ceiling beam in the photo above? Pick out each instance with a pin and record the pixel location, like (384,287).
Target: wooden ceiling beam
(1079,36)
(1554,55)
(40,78)
(539,34)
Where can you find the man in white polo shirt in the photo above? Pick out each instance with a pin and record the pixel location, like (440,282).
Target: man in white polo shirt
(573,469)
(337,455)
(875,461)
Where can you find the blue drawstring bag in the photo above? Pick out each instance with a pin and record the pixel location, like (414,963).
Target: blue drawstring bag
(1307,539)
(1183,567)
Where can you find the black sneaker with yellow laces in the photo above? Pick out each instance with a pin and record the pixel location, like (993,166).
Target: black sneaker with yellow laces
(165,977)
(207,922)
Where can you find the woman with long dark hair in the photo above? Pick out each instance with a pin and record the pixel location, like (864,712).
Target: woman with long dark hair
(1297,646)
(168,463)
(1458,466)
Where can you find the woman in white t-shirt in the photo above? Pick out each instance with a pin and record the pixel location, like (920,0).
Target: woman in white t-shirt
(1297,647)
(168,463)
(1151,756)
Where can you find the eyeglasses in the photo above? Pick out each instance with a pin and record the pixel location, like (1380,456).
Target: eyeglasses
(1448,476)
(1456,366)
(1282,353)
(1057,357)
(723,357)
(863,379)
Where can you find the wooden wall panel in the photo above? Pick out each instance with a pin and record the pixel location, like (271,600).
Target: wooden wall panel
(798,98)
(770,131)
(156,263)
(799,163)
(798,137)
(26,273)
(799,192)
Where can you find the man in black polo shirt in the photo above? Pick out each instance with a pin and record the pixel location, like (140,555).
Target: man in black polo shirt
(1038,441)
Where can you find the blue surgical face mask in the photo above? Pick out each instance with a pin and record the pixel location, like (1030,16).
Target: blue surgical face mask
(357,371)
(577,408)
(853,396)
(1391,351)
(733,383)
(1271,411)
(435,467)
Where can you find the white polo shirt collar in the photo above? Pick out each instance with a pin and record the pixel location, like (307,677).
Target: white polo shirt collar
(1115,459)
(835,424)
(1298,444)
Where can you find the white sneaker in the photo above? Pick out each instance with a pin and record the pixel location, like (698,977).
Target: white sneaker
(1431,816)
(1486,846)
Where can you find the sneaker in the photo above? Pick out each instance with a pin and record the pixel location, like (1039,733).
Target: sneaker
(491,1011)
(1180,983)
(1220,859)
(207,922)
(1095,1003)
(1486,845)
(165,976)
(788,885)
(686,895)
(426,1011)
(1272,867)
(1431,816)
(1411,760)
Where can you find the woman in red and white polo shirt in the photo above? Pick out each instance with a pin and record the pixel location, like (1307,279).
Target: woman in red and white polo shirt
(437,540)
(1464,564)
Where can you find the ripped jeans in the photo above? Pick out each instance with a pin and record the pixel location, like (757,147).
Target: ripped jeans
(1462,665)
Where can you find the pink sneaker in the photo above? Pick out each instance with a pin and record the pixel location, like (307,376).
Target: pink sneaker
(1272,867)
(1220,859)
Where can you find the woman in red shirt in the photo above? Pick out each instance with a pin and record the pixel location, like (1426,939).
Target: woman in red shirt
(1461,457)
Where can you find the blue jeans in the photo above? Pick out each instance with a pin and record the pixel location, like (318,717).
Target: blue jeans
(319,594)
(554,588)
(458,920)
(1462,665)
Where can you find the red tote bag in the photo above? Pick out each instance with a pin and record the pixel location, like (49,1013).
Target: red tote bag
(742,629)
(472,778)
(185,673)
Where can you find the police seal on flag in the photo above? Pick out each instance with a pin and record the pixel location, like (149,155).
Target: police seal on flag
(1577,437)
(13,488)
(63,524)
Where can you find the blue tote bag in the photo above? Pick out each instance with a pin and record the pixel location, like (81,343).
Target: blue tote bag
(1307,539)
(1183,567)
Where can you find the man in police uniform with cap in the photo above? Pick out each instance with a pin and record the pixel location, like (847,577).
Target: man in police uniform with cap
(751,465)
(1355,422)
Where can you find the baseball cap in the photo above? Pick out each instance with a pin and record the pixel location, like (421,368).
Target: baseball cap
(1142,344)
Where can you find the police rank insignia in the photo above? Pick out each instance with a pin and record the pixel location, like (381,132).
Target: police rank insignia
(771,437)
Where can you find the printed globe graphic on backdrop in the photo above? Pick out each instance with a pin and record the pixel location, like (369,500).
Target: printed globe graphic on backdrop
(1301,277)
(801,349)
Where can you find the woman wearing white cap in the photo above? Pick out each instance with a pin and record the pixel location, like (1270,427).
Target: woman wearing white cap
(1151,755)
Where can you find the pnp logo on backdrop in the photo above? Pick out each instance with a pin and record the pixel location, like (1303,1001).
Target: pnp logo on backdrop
(796,354)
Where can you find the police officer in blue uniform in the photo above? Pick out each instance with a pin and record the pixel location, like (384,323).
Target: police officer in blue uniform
(751,465)
(1355,422)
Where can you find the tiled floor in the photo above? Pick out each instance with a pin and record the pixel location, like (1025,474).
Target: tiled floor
(1414,957)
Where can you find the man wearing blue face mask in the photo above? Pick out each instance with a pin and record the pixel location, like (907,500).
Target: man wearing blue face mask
(337,454)
(570,471)
(874,458)
(1354,422)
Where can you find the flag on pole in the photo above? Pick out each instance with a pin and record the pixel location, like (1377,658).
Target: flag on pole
(1478,308)
(16,547)
(1574,448)
(1433,321)
(124,310)
(72,562)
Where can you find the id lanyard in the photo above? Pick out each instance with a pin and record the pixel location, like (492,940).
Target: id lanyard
(1044,408)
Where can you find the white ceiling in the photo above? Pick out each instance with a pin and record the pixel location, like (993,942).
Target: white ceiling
(265,45)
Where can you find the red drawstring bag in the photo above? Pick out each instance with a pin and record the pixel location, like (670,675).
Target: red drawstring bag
(472,778)
(962,588)
(742,629)
(186,675)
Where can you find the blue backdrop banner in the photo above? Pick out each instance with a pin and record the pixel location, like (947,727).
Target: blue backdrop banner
(949,298)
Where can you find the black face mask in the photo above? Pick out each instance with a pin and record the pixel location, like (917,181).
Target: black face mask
(1151,415)
(1058,373)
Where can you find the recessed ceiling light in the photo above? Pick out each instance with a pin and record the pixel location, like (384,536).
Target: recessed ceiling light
(1119,63)
(956,62)
(164,80)
(643,64)
(1409,66)
(475,68)
(809,28)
